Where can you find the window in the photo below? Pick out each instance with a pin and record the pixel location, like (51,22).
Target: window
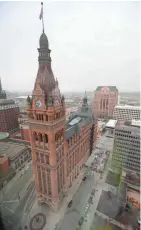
(46,138)
(42,158)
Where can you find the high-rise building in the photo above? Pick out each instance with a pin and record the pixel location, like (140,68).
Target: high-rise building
(59,149)
(126,112)
(2,92)
(9,112)
(126,147)
(105,99)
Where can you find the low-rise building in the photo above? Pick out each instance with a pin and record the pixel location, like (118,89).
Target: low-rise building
(17,154)
(24,131)
(110,126)
(126,147)
(126,112)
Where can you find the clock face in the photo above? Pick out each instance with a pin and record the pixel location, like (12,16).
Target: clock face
(38,104)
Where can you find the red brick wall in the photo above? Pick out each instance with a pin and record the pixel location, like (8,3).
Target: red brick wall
(4,164)
(8,119)
(25,134)
(104,111)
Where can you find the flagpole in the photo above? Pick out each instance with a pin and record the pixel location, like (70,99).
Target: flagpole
(42,16)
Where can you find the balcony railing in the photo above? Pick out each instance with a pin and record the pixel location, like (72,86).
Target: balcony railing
(48,123)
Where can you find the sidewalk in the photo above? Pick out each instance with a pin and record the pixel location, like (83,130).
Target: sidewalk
(100,185)
(5,190)
(52,218)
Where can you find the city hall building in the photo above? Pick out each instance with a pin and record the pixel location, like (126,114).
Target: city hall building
(59,148)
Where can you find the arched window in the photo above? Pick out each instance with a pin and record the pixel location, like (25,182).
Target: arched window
(41,137)
(35,136)
(46,138)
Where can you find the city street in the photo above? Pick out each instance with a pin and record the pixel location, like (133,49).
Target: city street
(80,206)
(80,200)
(14,195)
(18,202)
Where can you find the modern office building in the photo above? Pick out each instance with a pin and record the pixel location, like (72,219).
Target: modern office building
(9,112)
(126,147)
(126,112)
(105,99)
(59,149)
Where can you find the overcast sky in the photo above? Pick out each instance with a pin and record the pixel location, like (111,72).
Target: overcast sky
(92,43)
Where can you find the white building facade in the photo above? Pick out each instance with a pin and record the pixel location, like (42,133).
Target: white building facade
(126,112)
(126,147)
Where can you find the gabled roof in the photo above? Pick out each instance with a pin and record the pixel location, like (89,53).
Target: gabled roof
(83,117)
(75,124)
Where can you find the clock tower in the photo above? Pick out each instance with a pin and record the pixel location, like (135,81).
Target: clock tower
(46,112)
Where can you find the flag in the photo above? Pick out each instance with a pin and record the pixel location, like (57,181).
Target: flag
(41,13)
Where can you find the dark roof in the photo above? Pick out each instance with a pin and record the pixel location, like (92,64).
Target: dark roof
(6,101)
(112,88)
(75,124)
(84,116)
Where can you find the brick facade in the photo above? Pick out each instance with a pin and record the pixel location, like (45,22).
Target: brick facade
(8,117)
(59,150)
(105,99)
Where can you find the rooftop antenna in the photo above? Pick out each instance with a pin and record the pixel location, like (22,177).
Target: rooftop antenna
(41,16)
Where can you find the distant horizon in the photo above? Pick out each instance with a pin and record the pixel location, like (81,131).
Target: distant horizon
(87,91)
(91,43)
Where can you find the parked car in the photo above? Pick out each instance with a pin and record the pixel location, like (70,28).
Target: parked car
(84,178)
(87,207)
(81,220)
(90,200)
(70,204)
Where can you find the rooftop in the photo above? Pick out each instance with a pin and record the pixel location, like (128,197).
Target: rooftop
(11,149)
(8,106)
(129,125)
(6,102)
(75,124)
(3,135)
(111,123)
(22,97)
(81,118)
(128,107)
(136,123)
(107,88)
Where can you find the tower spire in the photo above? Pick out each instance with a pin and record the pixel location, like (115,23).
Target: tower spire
(41,17)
